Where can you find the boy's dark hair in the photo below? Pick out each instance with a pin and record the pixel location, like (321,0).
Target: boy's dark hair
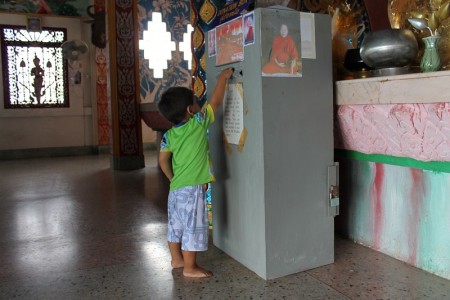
(174,102)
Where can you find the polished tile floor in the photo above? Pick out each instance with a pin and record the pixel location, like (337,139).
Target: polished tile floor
(71,228)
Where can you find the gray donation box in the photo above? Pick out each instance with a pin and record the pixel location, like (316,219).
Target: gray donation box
(272,143)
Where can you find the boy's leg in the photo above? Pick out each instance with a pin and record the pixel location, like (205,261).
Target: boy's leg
(189,225)
(196,234)
(191,269)
(174,231)
(177,256)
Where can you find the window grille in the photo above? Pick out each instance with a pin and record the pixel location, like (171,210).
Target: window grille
(34,70)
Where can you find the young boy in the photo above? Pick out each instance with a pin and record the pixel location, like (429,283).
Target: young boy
(184,159)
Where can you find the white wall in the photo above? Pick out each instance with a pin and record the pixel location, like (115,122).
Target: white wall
(74,126)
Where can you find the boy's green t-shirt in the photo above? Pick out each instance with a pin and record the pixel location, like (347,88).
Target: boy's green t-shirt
(188,143)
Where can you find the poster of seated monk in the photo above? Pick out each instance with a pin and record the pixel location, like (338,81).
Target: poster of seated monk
(249,29)
(283,58)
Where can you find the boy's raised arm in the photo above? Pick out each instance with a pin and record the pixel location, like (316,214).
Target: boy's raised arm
(219,90)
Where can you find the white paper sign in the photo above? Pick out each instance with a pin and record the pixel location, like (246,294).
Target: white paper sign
(308,35)
(233,113)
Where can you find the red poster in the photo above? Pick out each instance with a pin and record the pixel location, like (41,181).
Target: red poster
(230,42)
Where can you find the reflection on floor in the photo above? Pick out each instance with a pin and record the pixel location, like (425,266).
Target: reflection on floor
(71,228)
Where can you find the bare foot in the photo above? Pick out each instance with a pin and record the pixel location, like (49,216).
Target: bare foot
(177,264)
(197,272)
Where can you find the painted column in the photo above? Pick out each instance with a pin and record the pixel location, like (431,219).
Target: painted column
(103,128)
(127,150)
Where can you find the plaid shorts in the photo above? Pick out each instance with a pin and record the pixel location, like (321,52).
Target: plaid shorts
(188,218)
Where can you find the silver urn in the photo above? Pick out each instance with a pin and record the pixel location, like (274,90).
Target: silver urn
(389,48)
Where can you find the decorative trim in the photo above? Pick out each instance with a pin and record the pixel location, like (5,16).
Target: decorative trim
(419,131)
(48,152)
(436,166)
(103,122)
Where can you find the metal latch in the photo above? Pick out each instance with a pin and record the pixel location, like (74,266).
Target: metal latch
(334,196)
(333,190)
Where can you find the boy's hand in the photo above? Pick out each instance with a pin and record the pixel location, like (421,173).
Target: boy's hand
(219,90)
(226,73)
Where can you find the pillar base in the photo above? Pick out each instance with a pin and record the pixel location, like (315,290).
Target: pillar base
(127,163)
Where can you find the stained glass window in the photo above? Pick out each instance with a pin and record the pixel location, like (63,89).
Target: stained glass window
(34,70)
